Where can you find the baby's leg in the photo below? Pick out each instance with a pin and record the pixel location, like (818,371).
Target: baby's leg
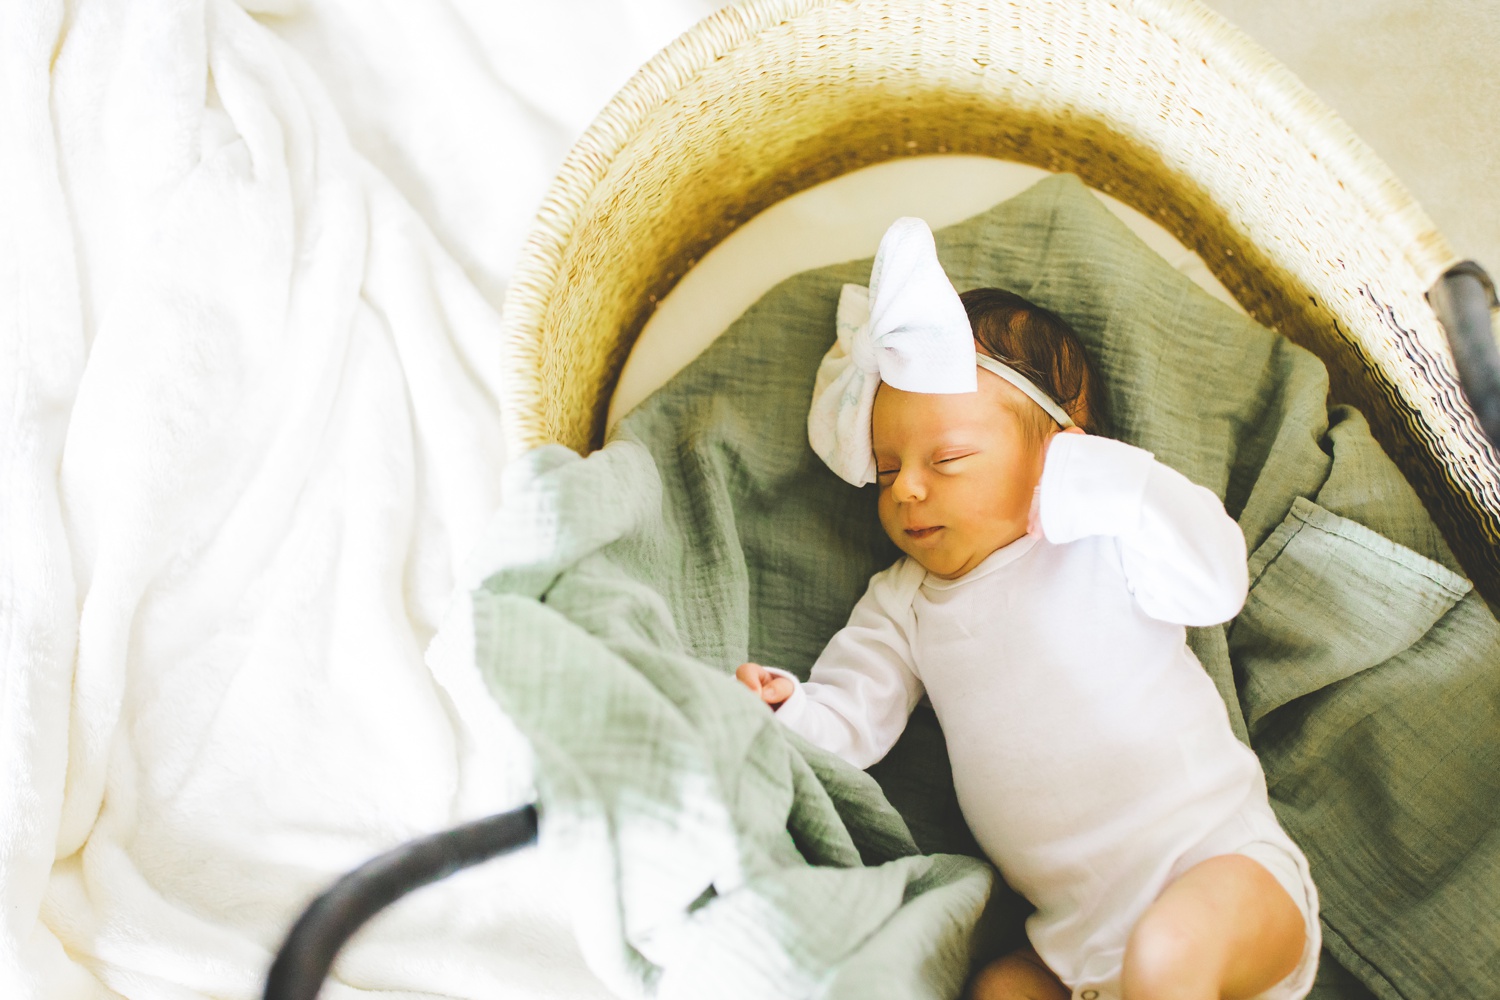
(1021,975)
(1226,928)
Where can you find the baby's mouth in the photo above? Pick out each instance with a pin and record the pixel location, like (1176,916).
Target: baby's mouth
(923,532)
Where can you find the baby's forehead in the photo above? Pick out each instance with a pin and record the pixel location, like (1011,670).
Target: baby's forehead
(934,435)
(915,419)
(938,409)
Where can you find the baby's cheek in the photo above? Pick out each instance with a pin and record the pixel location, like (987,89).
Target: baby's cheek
(1001,494)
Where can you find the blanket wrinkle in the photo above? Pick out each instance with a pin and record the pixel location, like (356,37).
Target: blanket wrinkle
(468,107)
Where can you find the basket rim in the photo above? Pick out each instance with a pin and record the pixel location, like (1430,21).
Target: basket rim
(1242,61)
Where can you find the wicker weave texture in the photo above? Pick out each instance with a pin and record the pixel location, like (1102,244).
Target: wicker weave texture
(1160,103)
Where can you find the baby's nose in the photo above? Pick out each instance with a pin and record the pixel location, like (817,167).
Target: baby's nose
(908,486)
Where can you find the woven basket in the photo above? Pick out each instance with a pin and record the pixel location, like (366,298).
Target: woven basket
(1160,103)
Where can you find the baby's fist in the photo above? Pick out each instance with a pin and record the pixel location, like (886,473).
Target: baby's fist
(772,688)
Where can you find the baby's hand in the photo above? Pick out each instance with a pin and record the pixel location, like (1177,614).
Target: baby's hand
(1034,518)
(773,689)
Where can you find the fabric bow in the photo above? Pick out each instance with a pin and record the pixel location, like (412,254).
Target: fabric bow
(909,328)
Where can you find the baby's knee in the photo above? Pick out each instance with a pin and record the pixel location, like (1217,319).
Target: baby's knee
(1015,977)
(1168,958)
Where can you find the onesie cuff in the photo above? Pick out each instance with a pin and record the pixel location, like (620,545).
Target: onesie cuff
(1092,485)
(790,710)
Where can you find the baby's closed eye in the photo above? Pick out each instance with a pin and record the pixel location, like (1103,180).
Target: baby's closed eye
(940,461)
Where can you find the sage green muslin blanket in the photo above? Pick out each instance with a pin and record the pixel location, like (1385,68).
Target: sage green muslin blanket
(712,854)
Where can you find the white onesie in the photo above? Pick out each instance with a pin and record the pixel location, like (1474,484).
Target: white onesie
(1092,755)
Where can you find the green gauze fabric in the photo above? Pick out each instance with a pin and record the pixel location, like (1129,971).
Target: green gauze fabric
(704,856)
(712,854)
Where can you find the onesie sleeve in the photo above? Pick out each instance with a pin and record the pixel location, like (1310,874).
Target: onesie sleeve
(863,685)
(1183,555)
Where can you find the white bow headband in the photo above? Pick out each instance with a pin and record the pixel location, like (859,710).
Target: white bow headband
(909,329)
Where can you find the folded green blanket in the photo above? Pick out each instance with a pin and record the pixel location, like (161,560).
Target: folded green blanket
(710,853)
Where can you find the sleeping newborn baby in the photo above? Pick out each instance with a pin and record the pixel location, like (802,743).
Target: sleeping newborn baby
(1040,605)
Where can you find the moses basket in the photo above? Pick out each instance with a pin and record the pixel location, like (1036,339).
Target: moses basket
(1159,103)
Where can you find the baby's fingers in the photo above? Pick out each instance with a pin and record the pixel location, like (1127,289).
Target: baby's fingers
(752,675)
(776,690)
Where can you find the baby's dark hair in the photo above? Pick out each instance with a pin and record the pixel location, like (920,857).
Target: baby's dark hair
(1041,345)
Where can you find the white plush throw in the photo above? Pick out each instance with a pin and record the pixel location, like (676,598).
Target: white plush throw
(249,435)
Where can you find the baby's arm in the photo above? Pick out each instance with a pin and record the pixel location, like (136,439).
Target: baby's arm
(1182,554)
(862,687)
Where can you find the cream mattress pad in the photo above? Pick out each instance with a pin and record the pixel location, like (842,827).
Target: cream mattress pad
(835,221)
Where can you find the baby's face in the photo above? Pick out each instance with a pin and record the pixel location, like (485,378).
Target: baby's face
(956,472)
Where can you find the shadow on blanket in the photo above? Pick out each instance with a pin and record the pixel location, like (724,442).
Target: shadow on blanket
(713,854)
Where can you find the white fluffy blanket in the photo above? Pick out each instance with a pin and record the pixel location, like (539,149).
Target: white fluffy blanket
(251,262)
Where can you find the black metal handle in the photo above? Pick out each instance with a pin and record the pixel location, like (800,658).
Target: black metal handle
(1462,299)
(331,920)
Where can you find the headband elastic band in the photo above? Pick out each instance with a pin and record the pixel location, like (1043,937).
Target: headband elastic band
(1027,386)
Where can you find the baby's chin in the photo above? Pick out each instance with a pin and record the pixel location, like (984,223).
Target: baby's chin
(952,560)
(939,562)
